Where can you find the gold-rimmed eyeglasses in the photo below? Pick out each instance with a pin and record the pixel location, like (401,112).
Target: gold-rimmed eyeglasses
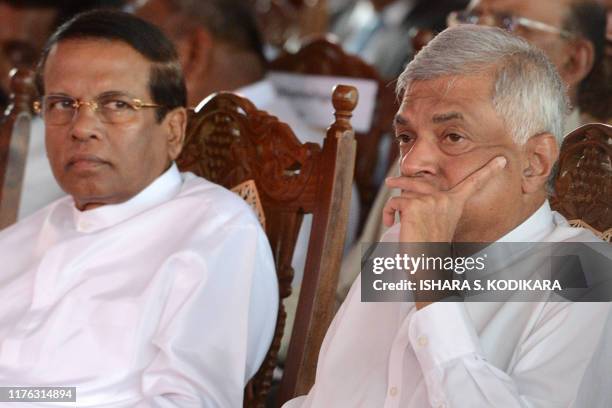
(112,107)
(507,21)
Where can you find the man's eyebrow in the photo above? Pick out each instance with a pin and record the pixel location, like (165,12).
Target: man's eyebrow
(399,120)
(444,117)
(58,94)
(113,93)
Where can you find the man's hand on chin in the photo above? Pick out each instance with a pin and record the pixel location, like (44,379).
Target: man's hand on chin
(430,215)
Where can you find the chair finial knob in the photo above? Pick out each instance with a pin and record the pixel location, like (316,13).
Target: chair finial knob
(345,98)
(22,81)
(23,89)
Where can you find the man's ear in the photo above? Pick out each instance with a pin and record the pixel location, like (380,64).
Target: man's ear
(579,60)
(540,154)
(194,48)
(176,124)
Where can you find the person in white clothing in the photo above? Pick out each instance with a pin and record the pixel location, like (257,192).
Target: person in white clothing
(146,287)
(570,33)
(478,125)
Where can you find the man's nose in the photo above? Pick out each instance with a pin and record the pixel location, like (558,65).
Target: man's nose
(421,159)
(86,124)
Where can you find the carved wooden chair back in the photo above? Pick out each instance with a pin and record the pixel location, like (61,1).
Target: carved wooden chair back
(583,183)
(14,140)
(322,56)
(229,141)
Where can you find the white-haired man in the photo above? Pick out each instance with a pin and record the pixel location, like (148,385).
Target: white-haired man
(477,128)
(570,32)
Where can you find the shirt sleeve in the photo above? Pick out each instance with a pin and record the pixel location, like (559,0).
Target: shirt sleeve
(217,324)
(546,369)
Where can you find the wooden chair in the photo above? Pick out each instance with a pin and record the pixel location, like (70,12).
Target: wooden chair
(229,141)
(322,56)
(14,140)
(583,183)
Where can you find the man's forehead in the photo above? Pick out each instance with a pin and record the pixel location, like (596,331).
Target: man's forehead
(446,98)
(452,87)
(98,62)
(102,52)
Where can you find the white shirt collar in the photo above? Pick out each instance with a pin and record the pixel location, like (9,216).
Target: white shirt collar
(533,229)
(260,93)
(162,189)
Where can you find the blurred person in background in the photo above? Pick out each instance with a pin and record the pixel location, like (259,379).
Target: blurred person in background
(380,31)
(570,32)
(595,99)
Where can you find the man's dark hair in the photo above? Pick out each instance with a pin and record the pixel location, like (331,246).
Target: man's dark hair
(587,18)
(232,21)
(166,82)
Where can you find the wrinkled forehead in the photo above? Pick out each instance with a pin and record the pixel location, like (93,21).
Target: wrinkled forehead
(90,66)
(464,88)
(466,100)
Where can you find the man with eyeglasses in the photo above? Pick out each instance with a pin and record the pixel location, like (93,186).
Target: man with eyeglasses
(25,25)
(478,128)
(146,287)
(570,32)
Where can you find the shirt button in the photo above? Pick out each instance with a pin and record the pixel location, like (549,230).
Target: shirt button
(422,341)
(393,391)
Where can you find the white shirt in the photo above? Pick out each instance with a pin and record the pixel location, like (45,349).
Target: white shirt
(166,300)
(39,187)
(530,354)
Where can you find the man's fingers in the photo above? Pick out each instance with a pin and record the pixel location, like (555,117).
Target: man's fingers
(394,205)
(479,178)
(410,184)
(389,212)
(397,204)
